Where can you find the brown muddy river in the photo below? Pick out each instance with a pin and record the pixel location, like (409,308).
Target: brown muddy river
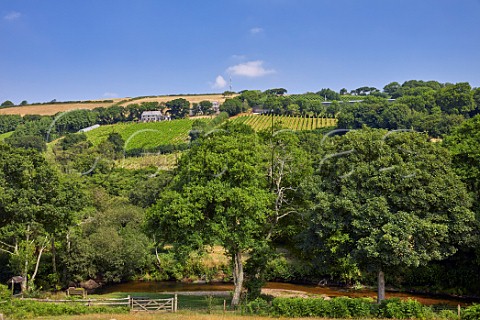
(168,286)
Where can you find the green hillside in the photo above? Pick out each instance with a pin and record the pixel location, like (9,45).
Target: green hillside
(5,135)
(145,135)
(260,122)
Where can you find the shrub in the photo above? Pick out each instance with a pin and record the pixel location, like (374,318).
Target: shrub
(447,314)
(398,309)
(24,309)
(351,308)
(335,308)
(258,306)
(472,313)
(5,293)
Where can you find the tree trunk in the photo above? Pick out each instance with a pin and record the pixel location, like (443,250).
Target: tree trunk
(54,256)
(38,260)
(381,286)
(237,278)
(24,284)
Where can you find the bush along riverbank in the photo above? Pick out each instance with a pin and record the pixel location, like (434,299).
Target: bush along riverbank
(356,308)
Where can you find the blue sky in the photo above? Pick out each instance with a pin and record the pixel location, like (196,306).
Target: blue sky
(89,49)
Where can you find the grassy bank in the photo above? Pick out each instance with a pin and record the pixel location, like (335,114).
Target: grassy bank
(169,316)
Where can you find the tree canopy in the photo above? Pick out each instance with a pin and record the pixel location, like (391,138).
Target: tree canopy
(388,200)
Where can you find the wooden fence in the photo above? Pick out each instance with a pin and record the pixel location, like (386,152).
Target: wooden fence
(145,304)
(133,303)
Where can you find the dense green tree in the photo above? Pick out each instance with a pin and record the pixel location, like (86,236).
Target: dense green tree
(107,243)
(276,91)
(329,94)
(456,99)
(147,191)
(179,108)
(388,201)
(7,103)
(220,195)
(464,145)
(273,104)
(71,139)
(41,128)
(233,106)
(253,98)
(73,121)
(228,93)
(392,89)
(117,141)
(27,142)
(206,107)
(9,122)
(35,205)
(24,103)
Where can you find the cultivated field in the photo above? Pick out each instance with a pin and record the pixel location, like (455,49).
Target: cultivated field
(51,109)
(192,99)
(261,122)
(145,135)
(54,108)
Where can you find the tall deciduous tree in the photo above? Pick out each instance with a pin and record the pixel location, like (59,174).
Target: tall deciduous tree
(34,205)
(220,196)
(179,108)
(388,201)
(456,98)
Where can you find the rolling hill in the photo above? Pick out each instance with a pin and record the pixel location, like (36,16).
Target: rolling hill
(53,108)
(145,135)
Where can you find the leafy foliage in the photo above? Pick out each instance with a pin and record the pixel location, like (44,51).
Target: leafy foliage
(392,201)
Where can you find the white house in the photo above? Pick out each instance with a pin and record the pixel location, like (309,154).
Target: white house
(215,107)
(153,116)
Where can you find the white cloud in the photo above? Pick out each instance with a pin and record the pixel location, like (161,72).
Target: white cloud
(110,95)
(251,69)
(12,16)
(239,57)
(256,30)
(220,83)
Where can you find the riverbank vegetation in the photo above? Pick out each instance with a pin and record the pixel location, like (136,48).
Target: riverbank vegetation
(373,202)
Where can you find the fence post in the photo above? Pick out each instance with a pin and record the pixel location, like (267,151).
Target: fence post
(175,305)
(458,312)
(224,305)
(129,303)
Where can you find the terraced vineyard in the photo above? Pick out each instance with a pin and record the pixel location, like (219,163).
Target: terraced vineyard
(145,135)
(260,122)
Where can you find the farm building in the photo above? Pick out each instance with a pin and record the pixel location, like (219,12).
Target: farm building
(95,126)
(215,107)
(153,116)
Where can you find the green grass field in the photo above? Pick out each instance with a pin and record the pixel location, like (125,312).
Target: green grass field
(3,136)
(261,122)
(145,135)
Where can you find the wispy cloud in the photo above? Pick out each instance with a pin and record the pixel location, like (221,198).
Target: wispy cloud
(252,69)
(239,57)
(14,15)
(256,30)
(220,83)
(110,95)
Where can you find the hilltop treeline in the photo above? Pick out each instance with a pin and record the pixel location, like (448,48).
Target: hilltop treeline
(427,106)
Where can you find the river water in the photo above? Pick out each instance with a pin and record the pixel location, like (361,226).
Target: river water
(285,288)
